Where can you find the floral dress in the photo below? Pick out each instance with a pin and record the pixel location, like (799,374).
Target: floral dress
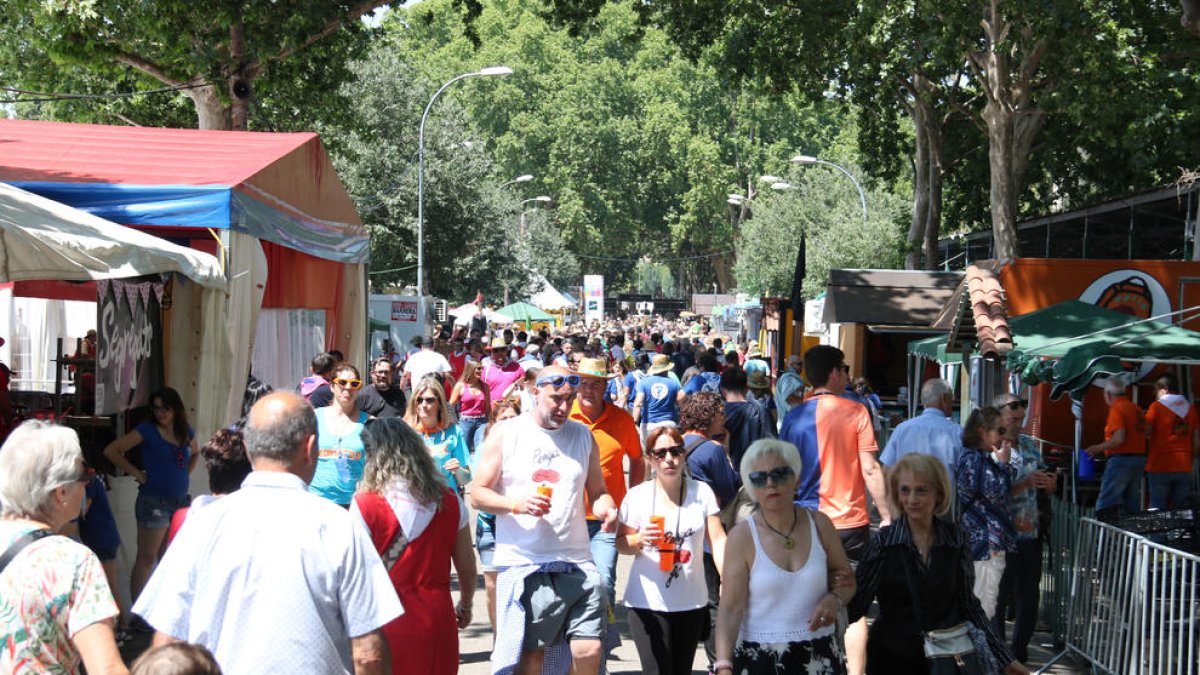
(51,591)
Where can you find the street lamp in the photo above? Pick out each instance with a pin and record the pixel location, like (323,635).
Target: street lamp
(519,179)
(782,185)
(808,160)
(540,198)
(490,71)
(768,178)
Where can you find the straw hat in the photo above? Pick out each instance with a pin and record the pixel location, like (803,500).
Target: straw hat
(499,343)
(661,363)
(594,368)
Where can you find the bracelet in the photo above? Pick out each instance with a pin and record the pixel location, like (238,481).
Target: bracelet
(513,508)
(636,541)
(841,603)
(718,666)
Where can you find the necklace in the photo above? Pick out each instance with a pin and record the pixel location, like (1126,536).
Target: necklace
(788,542)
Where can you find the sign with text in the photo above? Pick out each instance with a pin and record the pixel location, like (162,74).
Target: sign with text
(593,297)
(404,310)
(129,353)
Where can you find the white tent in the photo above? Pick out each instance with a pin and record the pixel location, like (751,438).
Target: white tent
(550,299)
(41,239)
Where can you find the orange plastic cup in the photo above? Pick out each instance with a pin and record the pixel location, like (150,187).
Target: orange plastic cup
(546,490)
(661,522)
(666,555)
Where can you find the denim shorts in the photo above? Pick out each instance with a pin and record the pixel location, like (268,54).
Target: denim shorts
(155,512)
(485,543)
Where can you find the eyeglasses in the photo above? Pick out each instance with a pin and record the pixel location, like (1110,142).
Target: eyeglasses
(431,400)
(557,381)
(779,475)
(661,453)
(348,384)
(1015,405)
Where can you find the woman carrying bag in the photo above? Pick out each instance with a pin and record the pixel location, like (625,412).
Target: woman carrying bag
(920,571)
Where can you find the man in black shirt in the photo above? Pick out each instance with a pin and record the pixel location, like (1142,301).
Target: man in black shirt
(383,398)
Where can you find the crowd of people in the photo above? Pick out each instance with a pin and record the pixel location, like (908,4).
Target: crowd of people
(762,520)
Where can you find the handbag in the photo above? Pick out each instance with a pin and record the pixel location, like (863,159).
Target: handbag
(948,651)
(19,545)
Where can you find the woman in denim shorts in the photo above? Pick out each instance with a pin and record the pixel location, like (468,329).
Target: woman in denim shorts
(485,523)
(168,450)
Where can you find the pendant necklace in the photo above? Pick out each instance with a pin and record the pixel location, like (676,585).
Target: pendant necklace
(788,542)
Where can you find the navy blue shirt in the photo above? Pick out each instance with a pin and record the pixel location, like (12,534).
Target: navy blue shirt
(708,462)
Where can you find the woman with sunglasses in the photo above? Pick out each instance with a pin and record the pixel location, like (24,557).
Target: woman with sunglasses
(778,610)
(339,439)
(984,478)
(429,415)
(664,524)
(168,452)
(56,608)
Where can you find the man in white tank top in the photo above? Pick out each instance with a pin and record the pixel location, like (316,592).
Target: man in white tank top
(542,543)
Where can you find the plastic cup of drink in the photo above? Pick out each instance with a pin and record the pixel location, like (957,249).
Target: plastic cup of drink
(661,522)
(666,555)
(546,491)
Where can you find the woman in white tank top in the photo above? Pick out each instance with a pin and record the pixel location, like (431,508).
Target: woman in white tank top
(778,611)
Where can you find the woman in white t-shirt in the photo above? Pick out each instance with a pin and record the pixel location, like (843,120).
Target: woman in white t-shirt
(666,592)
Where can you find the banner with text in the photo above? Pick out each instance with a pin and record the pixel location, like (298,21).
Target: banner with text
(129,351)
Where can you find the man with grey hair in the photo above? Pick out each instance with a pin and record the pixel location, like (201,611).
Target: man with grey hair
(273,579)
(932,432)
(1125,445)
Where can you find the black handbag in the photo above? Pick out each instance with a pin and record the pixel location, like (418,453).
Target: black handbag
(948,651)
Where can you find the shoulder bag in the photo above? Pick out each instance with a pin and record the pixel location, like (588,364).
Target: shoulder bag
(20,544)
(948,651)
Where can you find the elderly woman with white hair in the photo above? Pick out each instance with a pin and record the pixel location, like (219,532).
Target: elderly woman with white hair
(778,607)
(56,608)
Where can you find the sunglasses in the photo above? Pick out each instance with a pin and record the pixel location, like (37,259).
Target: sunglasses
(431,400)
(1015,405)
(348,384)
(779,475)
(557,381)
(661,453)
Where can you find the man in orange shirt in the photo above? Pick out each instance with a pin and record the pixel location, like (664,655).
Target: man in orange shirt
(1125,445)
(1172,438)
(617,437)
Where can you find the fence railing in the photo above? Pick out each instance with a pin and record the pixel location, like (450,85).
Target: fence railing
(1132,605)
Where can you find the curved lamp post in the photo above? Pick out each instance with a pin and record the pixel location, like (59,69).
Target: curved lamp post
(483,72)
(519,179)
(808,160)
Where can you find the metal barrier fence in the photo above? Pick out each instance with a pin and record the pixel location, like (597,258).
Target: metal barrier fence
(1132,605)
(1058,563)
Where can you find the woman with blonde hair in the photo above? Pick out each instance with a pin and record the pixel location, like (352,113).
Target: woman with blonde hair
(474,399)
(922,575)
(778,608)
(429,415)
(419,527)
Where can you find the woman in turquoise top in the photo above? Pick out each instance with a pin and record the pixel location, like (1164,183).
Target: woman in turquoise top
(431,417)
(339,438)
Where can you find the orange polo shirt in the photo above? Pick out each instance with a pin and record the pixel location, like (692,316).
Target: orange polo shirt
(617,436)
(1170,439)
(1124,414)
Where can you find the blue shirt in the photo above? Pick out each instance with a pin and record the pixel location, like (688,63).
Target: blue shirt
(659,399)
(450,443)
(340,460)
(931,433)
(166,465)
(710,382)
(708,463)
(984,489)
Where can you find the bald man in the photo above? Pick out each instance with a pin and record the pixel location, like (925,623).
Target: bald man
(273,579)
(532,474)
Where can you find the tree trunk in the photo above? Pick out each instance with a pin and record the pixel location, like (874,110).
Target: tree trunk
(933,218)
(1190,19)
(1002,194)
(920,214)
(211,111)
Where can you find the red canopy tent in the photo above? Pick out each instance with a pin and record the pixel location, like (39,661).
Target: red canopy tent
(269,205)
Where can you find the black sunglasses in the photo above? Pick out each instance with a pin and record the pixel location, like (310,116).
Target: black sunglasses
(432,400)
(778,475)
(557,381)
(1014,405)
(660,453)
